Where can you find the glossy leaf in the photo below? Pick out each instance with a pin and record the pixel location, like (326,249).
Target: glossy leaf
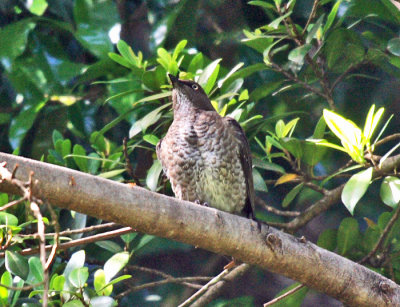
(298,54)
(78,277)
(17,264)
(99,283)
(259,183)
(148,120)
(115,264)
(153,175)
(394,46)
(8,219)
(36,269)
(111,246)
(11,48)
(209,76)
(76,261)
(292,195)
(390,191)
(355,188)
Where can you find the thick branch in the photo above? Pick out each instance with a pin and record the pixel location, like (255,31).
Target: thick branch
(207,228)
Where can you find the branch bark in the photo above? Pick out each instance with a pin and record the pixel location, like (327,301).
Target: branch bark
(213,230)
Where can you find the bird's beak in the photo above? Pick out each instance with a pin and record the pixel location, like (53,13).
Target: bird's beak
(174,80)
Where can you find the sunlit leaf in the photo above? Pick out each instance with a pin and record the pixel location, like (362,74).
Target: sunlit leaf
(115,264)
(355,188)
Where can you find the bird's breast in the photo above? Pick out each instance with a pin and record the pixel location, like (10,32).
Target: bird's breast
(201,159)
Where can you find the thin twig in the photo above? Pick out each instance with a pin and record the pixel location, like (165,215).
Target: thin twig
(74,231)
(203,289)
(25,288)
(276,211)
(281,297)
(167,276)
(178,280)
(82,241)
(295,79)
(311,16)
(388,139)
(12,203)
(128,165)
(383,236)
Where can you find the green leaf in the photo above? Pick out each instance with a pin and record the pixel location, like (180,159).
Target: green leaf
(196,63)
(319,129)
(109,245)
(371,122)
(259,183)
(80,157)
(151,138)
(78,277)
(390,191)
(275,24)
(36,269)
(178,49)
(74,303)
(23,122)
(119,59)
(148,120)
(126,51)
(262,4)
(38,7)
(355,188)
(17,264)
(6,279)
(393,46)
(328,239)
(209,76)
(99,283)
(11,48)
(229,74)
(56,136)
(112,174)
(57,283)
(77,260)
(8,219)
(153,174)
(291,195)
(348,133)
(269,166)
(348,235)
(317,26)
(115,264)
(297,55)
(332,16)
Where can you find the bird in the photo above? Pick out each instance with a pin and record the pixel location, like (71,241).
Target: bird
(205,156)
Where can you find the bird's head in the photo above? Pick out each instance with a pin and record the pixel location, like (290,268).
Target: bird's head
(188,94)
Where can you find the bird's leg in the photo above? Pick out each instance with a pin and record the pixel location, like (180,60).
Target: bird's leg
(231,264)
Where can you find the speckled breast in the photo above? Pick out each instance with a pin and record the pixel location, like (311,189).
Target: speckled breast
(200,156)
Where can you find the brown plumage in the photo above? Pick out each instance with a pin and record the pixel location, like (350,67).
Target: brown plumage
(205,156)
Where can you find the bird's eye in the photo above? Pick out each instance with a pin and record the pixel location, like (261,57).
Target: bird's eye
(195,87)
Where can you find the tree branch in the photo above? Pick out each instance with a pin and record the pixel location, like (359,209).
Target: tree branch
(213,230)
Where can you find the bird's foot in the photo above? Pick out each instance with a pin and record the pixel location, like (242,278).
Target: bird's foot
(198,202)
(231,264)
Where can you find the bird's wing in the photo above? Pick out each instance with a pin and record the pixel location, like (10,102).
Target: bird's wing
(245,159)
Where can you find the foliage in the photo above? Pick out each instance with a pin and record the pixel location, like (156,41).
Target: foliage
(283,69)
